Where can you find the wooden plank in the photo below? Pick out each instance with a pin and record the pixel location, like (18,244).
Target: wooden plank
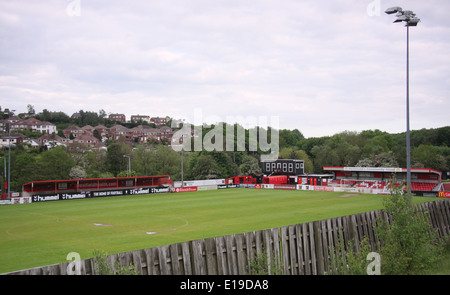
(331,229)
(439,219)
(199,260)
(186,253)
(275,236)
(251,248)
(445,209)
(354,229)
(319,247)
(148,260)
(259,242)
(307,248)
(156,270)
(231,255)
(312,248)
(222,268)
(136,258)
(287,265)
(324,235)
(372,236)
(291,248)
(211,257)
(163,260)
(299,250)
(175,260)
(240,254)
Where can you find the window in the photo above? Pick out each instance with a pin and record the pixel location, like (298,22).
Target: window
(291,167)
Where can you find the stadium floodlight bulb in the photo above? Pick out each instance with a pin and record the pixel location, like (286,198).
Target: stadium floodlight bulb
(407,16)
(393,10)
(400,19)
(413,22)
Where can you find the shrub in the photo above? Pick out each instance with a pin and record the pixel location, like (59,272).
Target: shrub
(408,243)
(260,265)
(103,267)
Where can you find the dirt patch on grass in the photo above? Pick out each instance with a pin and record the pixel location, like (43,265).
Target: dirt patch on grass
(101,224)
(348,195)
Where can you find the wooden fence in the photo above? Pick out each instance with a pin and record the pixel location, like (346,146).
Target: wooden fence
(295,249)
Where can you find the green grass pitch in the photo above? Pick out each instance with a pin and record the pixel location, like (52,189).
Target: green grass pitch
(38,234)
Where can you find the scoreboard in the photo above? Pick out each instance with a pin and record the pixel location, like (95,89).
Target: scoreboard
(284,166)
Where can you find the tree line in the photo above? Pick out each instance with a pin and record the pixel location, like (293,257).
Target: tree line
(430,149)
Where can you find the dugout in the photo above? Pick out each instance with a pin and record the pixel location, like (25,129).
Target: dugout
(315,179)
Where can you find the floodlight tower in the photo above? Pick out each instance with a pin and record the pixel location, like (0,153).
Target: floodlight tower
(411,20)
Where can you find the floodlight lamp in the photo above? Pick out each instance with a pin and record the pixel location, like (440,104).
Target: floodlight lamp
(400,19)
(393,10)
(413,22)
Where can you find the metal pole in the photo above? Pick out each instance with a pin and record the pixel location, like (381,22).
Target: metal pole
(182,168)
(129,165)
(9,162)
(408,143)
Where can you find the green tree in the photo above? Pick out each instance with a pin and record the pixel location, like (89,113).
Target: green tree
(115,157)
(292,153)
(144,161)
(290,138)
(429,156)
(205,167)
(77,172)
(55,164)
(249,166)
(96,164)
(167,161)
(24,169)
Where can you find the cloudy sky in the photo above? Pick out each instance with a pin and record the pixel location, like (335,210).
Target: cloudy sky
(319,66)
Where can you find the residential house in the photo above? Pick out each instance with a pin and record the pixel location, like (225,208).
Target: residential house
(31,142)
(88,129)
(144,133)
(137,118)
(73,130)
(103,131)
(51,141)
(32,124)
(86,140)
(158,121)
(118,131)
(166,133)
(13,139)
(37,125)
(117,117)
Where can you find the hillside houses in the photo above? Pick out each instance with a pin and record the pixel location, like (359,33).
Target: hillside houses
(31,124)
(139,134)
(152,130)
(87,136)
